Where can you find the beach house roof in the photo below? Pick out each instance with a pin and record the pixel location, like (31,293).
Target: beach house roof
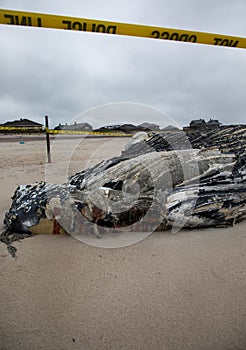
(22,123)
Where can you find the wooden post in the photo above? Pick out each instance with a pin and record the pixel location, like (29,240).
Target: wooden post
(47,139)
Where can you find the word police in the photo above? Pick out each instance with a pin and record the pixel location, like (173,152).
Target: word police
(99,28)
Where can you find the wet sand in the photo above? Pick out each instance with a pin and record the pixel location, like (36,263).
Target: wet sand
(169,291)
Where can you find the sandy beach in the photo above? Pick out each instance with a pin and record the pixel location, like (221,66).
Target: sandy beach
(169,291)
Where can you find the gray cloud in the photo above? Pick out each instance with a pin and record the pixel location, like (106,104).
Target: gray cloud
(62,74)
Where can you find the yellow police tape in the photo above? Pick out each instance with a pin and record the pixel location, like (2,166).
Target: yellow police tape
(64,132)
(42,20)
(23,128)
(80,132)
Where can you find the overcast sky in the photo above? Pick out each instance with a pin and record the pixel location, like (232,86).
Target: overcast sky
(63,74)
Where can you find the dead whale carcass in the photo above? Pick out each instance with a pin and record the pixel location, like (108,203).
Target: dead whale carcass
(185,188)
(229,139)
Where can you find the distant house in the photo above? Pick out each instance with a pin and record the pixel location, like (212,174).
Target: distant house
(75,126)
(149,126)
(124,128)
(213,124)
(202,125)
(170,128)
(23,124)
(198,124)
